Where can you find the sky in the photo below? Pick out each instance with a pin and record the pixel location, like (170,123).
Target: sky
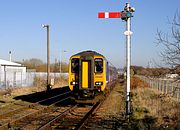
(75,27)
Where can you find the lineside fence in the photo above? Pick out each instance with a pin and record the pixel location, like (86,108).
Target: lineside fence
(169,87)
(20,79)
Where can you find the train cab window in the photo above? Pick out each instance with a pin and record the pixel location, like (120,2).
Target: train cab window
(75,65)
(98,65)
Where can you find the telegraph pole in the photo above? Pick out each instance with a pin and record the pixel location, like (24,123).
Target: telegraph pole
(48,57)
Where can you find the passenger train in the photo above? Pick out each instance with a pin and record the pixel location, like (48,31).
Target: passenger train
(89,74)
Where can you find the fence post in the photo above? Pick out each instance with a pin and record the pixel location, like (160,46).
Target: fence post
(21,79)
(165,86)
(169,86)
(157,87)
(162,86)
(172,89)
(154,86)
(178,91)
(14,79)
(5,78)
(175,90)
(0,77)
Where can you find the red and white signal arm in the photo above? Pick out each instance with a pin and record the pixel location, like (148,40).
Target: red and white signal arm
(109,15)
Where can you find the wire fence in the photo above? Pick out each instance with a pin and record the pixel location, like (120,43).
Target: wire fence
(169,87)
(24,79)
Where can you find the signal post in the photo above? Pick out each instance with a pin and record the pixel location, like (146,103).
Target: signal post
(125,15)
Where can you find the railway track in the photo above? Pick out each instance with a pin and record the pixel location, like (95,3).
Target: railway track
(75,117)
(72,118)
(17,116)
(51,115)
(8,106)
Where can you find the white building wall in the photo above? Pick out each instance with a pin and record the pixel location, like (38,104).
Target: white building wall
(15,75)
(12,74)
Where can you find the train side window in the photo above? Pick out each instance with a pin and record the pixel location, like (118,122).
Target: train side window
(98,65)
(75,65)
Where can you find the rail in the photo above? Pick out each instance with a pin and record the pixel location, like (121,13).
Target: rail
(48,124)
(21,118)
(31,105)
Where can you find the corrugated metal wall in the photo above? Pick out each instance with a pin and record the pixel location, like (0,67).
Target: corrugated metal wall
(12,75)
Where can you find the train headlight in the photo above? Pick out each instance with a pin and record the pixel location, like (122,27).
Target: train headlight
(74,83)
(98,83)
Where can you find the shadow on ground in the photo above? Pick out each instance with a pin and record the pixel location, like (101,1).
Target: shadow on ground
(39,96)
(146,123)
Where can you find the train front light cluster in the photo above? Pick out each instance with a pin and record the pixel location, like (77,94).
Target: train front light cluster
(98,83)
(74,83)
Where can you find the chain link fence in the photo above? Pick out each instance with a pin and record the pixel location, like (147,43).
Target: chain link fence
(169,87)
(23,79)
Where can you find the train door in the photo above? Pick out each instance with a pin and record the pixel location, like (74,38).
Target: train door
(86,74)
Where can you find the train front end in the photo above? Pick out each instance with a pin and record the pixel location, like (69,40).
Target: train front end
(87,74)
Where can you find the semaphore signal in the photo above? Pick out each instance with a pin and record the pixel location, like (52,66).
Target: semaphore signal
(125,15)
(109,15)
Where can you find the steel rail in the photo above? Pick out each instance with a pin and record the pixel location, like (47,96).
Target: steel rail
(80,124)
(9,124)
(53,97)
(93,110)
(31,105)
(88,115)
(48,124)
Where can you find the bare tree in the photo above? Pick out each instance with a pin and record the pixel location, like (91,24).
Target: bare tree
(171,42)
(32,63)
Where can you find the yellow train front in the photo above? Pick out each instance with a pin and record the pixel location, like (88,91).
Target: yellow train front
(88,74)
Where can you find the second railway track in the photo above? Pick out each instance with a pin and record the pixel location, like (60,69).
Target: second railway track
(51,116)
(27,113)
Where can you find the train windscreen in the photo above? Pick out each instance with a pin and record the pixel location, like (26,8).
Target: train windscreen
(75,65)
(98,65)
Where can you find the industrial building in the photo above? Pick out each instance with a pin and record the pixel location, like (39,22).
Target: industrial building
(11,74)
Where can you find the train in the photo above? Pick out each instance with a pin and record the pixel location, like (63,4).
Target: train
(89,74)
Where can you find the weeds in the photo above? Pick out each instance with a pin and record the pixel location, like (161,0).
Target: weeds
(150,107)
(42,82)
(6,92)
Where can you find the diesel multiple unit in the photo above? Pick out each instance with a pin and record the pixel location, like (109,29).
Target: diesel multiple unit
(88,74)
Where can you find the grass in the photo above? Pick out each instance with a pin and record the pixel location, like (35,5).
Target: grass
(58,82)
(114,104)
(152,110)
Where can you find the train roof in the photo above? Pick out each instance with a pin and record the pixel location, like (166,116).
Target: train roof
(89,52)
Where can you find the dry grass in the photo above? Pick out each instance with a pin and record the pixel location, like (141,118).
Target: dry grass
(58,82)
(137,83)
(114,104)
(162,109)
